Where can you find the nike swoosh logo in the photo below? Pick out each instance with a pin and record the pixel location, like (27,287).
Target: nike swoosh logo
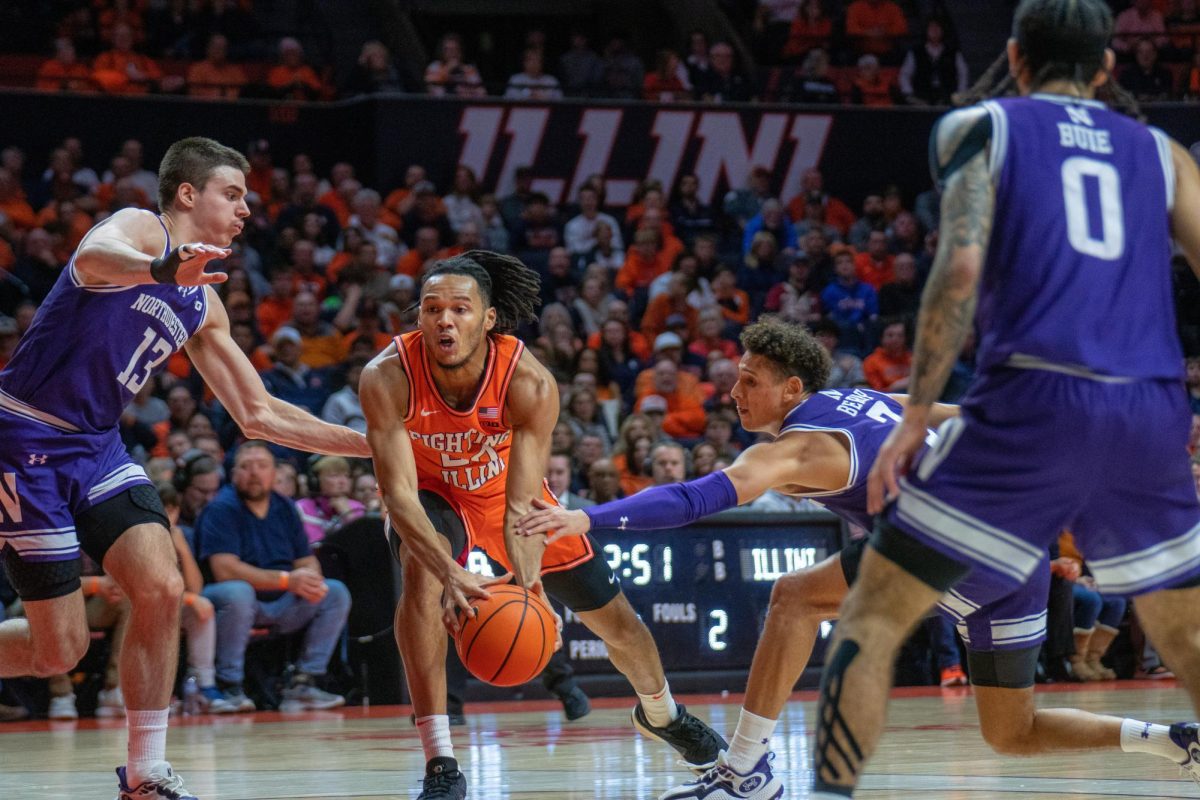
(612,578)
(427,413)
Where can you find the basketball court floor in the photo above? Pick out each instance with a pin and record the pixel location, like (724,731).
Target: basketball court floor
(526,751)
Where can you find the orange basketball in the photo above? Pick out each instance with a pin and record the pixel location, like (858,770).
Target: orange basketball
(510,639)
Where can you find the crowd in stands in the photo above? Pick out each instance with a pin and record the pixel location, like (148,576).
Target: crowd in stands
(865,52)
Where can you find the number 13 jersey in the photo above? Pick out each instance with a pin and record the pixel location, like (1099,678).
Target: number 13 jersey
(91,348)
(1078,270)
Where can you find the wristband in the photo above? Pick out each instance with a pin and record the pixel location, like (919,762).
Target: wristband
(189,598)
(283,580)
(163,269)
(93,586)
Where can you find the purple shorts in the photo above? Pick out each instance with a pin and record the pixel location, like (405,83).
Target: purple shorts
(48,476)
(1036,452)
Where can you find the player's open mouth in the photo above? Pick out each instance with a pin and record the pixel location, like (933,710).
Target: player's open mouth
(446,343)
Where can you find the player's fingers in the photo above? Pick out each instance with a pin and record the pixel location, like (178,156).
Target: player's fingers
(212,277)
(875,489)
(890,470)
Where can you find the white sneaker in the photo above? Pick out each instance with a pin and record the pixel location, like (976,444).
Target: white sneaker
(111,703)
(721,782)
(63,707)
(162,784)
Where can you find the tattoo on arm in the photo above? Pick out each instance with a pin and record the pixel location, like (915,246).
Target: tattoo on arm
(948,305)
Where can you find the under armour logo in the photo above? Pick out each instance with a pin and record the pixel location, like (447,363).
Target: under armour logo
(37,459)
(1146,731)
(624,520)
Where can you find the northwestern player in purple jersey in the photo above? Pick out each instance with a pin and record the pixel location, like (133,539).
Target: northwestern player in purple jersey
(1057,217)
(824,444)
(135,292)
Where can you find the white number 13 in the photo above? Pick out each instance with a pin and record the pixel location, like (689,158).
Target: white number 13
(161,351)
(1111,243)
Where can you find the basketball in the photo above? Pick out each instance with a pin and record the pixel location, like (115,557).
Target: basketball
(510,639)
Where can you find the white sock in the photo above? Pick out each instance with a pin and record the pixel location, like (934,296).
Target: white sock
(147,743)
(660,708)
(435,736)
(1146,737)
(750,741)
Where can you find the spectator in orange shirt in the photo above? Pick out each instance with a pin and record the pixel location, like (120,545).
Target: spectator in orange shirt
(812,187)
(369,324)
(669,303)
(305,277)
(811,28)
(68,219)
(876,266)
(262,173)
(13,204)
(449,74)
(121,70)
(617,338)
(276,308)
(215,77)
(425,250)
(664,84)
(655,218)
(709,340)
(332,197)
(871,87)
(888,368)
(685,417)
(64,73)
(120,168)
(291,78)
(874,25)
(668,347)
(320,343)
(734,302)
(400,200)
(642,263)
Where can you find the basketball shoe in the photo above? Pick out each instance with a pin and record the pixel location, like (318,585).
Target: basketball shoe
(722,782)
(1187,736)
(443,780)
(162,784)
(691,737)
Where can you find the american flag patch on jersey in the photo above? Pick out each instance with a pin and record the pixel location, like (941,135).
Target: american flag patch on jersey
(489,412)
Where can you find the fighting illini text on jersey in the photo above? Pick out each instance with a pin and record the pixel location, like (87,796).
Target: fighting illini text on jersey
(90,349)
(463,455)
(1062,290)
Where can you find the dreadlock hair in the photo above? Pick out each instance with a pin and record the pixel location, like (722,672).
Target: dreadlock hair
(505,284)
(1060,39)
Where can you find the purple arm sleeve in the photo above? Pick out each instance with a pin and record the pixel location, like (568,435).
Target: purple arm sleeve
(667,506)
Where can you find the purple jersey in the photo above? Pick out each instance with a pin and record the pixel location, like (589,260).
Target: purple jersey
(91,348)
(864,417)
(1078,276)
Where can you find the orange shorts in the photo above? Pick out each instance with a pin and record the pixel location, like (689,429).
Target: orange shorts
(483,519)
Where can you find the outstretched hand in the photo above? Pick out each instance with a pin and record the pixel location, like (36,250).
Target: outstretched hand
(553,519)
(185,265)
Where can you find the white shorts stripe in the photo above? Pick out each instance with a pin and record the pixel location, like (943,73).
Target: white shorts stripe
(1013,631)
(965,534)
(957,605)
(1129,573)
(130,473)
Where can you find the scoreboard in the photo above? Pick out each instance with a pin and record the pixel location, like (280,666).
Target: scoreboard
(703,590)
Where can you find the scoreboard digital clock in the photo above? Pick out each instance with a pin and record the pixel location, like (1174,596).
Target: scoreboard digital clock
(703,590)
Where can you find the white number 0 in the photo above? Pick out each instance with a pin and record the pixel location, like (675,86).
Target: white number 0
(1111,243)
(162,349)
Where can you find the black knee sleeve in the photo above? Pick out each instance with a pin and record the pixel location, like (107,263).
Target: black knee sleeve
(933,568)
(42,580)
(101,525)
(1004,669)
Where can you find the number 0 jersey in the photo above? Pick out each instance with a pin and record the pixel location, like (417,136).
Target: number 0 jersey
(91,348)
(1078,273)
(864,417)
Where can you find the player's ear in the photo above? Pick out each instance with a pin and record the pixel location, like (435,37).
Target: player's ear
(1014,58)
(1106,67)
(185,195)
(794,386)
(489,318)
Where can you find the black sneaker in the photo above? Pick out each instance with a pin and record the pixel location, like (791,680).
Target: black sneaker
(689,735)
(575,704)
(443,781)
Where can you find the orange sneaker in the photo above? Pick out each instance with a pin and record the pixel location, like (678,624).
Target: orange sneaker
(953,676)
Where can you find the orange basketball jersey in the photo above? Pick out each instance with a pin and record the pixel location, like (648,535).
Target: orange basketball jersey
(463,455)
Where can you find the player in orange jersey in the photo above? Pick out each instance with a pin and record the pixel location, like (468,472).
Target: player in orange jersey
(459,418)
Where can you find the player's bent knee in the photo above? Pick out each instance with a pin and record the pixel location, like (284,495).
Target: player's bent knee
(163,587)
(1010,739)
(58,654)
(792,594)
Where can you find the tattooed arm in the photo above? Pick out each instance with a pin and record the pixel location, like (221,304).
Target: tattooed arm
(959,156)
